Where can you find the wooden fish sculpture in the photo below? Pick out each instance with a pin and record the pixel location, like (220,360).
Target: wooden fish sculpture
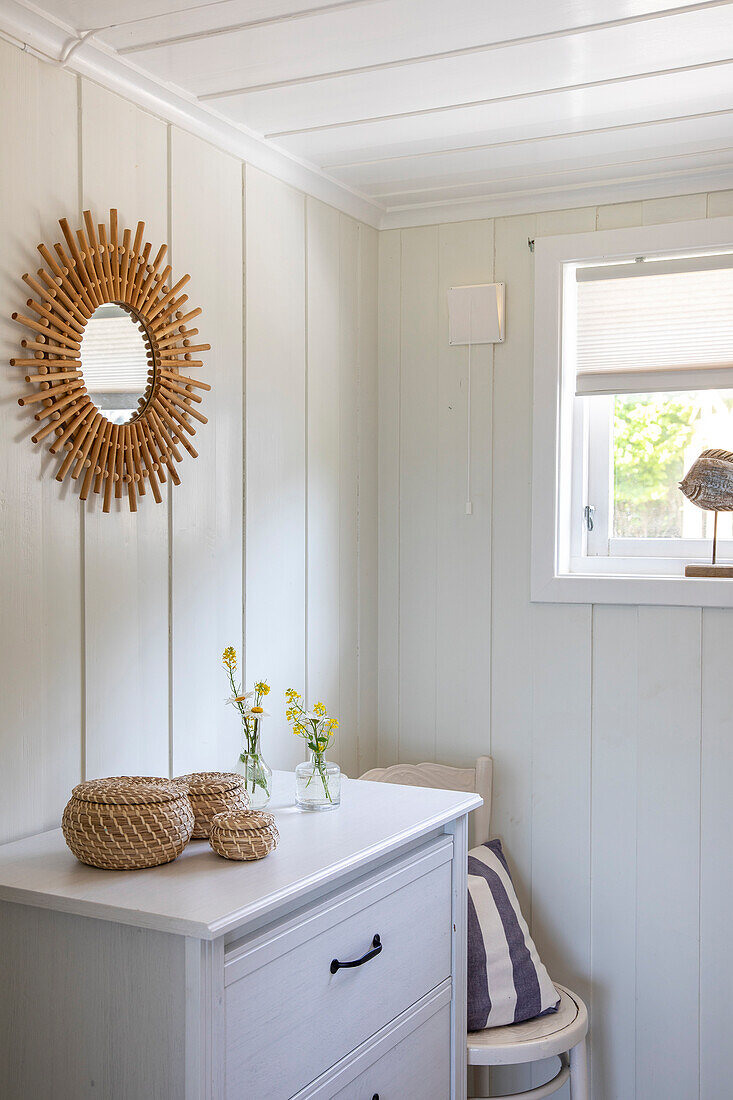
(709,481)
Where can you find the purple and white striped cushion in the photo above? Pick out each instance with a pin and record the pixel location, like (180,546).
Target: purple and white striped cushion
(507,982)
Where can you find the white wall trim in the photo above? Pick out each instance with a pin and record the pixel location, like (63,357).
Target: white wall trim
(551,579)
(26,27)
(534,202)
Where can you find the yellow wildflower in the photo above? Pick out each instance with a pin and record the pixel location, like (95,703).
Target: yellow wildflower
(319,709)
(262,687)
(291,695)
(229,657)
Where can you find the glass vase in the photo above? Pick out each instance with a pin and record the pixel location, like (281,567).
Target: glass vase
(256,771)
(317,783)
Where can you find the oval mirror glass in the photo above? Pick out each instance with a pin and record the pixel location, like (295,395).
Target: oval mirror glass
(116,363)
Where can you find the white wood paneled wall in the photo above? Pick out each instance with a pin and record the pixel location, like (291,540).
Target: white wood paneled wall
(112,626)
(611,728)
(311,512)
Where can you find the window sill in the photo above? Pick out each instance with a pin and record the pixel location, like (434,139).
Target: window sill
(625,588)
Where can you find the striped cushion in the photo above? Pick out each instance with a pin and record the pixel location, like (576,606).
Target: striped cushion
(507,982)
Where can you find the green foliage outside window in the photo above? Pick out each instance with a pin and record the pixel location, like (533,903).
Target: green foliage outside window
(654,437)
(649,441)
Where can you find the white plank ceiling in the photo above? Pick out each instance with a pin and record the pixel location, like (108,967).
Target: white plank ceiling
(422,107)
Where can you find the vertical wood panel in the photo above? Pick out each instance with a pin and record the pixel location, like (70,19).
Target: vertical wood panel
(613,866)
(418,489)
(668,830)
(206,567)
(367,721)
(390,297)
(276,448)
(561,756)
(124,164)
(716,870)
(561,740)
(40,594)
(463,667)
(323,440)
(348,465)
(511,611)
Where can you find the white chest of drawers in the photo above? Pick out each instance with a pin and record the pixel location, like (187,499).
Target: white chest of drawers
(211,980)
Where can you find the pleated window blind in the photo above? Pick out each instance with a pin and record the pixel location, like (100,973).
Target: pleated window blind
(655,325)
(114,352)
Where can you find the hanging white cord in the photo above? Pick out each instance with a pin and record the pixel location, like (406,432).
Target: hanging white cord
(469,503)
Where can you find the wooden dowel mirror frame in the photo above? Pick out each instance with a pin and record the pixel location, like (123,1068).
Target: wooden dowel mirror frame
(95,266)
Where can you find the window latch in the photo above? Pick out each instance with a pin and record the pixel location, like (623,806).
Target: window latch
(588,514)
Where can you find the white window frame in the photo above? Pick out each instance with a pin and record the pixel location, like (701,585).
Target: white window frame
(562,569)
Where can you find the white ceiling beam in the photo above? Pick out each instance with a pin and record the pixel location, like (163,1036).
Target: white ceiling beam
(688,41)
(457,52)
(647,99)
(516,97)
(562,197)
(559,177)
(129,34)
(682,134)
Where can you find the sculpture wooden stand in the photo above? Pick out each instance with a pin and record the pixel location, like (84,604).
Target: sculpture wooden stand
(99,266)
(708,484)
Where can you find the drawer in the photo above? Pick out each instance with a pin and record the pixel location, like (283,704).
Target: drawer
(289,1018)
(411,1058)
(419,1066)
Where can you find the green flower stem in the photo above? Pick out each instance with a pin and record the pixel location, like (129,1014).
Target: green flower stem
(319,767)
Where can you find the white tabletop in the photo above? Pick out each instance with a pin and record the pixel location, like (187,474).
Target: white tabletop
(202,895)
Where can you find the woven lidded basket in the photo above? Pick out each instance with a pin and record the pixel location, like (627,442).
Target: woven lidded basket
(213,793)
(126,822)
(245,834)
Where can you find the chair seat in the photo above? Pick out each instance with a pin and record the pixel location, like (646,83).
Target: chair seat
(532,1040)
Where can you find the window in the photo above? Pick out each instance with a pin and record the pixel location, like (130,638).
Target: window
(633,379)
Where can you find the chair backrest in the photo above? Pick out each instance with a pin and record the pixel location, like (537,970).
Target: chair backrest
(476,779)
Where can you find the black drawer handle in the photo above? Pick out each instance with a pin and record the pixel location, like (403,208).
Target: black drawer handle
(374,950)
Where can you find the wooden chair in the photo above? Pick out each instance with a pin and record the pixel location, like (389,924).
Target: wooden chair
(561,1034)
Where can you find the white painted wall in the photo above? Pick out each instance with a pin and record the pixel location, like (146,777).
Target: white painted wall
(611,727)
(112,626)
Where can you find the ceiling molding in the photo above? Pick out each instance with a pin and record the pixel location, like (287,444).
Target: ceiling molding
(51,40)
(566,198)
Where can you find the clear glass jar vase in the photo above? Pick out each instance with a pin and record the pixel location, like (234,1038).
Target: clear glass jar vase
(317,783)
(256,771)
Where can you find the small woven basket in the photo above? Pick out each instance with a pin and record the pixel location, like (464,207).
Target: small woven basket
(213,793)
(246,834)
(127,822)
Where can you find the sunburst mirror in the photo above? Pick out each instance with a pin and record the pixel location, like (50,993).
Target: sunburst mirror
(109,357)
